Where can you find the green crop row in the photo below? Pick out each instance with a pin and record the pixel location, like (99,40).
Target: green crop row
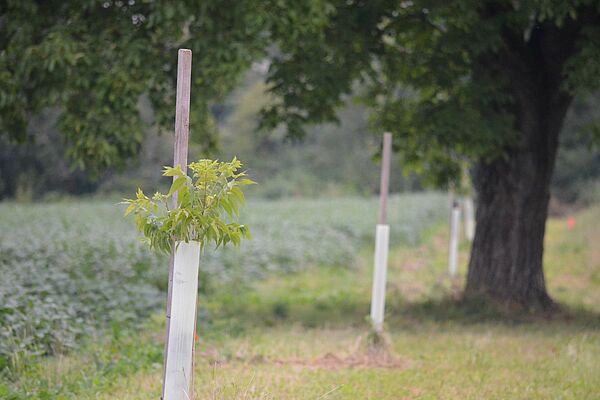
(78,269)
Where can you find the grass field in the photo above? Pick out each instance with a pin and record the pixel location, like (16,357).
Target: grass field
(301,333)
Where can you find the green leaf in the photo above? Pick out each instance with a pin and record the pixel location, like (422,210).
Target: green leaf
(246,181)
(239,195)
(177,183)
(130,209)
(173,171)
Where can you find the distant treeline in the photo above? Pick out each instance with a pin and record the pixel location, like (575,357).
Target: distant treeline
(333,158)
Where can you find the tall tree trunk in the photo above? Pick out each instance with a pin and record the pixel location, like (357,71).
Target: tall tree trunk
(506,257)
(513,197)
(514,189)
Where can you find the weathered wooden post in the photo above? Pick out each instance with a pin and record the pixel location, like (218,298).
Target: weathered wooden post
(453,242)
(469,218)
(382,235)
(183,264)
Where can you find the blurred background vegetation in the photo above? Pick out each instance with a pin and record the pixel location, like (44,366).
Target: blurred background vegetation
(333,159)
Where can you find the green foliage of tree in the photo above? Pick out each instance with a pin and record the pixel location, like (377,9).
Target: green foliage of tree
(485,84)
(436,72)
(94,60)
(197,208)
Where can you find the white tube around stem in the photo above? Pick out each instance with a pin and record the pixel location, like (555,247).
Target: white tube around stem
(469,219)
(453,245)
(382,235)
(178,368)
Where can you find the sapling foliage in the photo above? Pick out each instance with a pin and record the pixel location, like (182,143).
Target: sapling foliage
(200,208)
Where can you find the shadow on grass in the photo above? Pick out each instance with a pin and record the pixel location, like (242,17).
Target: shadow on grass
(346,310)
(451,311)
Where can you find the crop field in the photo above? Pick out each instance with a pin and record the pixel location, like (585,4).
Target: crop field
(284,316)
(70,270)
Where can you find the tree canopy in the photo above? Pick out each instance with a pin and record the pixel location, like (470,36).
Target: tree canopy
(93,61)
(445,76)
(478,84)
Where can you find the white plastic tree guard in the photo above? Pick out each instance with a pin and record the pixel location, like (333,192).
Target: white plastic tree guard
(469,219)
(453,242)
(382,235)
(178,368)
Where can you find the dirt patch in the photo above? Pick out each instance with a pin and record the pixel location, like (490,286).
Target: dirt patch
(570,281)
(361,357)
(213,357)
(414,265)
(356,360)
(327,361)
(409,289)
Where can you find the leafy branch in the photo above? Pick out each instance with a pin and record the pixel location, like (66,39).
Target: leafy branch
(204,206)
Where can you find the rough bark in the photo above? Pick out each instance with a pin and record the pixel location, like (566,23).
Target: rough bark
(514,190)
(507,252)
(513,197)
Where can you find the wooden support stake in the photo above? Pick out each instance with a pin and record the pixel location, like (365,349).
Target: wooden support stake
(384,183)
(179,369)
(183,263)
(382,234)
